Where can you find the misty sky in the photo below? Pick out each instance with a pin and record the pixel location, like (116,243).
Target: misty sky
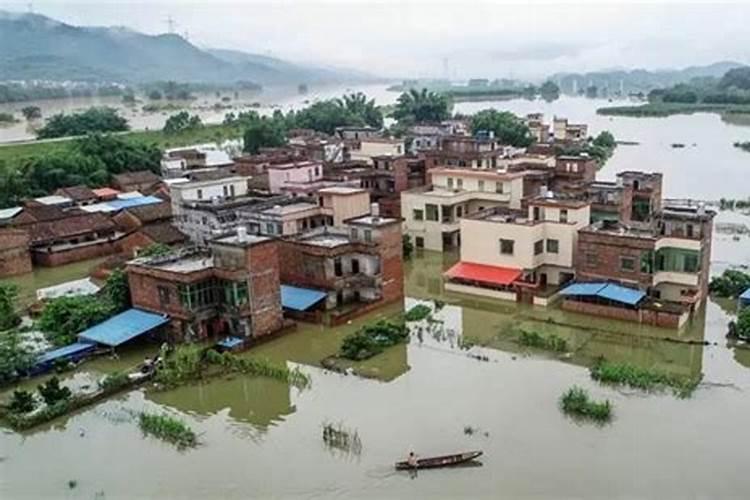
(415,38)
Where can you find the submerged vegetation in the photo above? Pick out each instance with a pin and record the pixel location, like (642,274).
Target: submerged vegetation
(372,339)
(744,146)
(549,342)
(168,429)
(626,374)
(577,403)
(339,438)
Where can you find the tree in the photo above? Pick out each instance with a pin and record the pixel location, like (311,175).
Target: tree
(263,133)
(357,104)
(52,392)
(507,127)
(117,290)
(155,95)
(65,317)
(731,283)
(549,91)
(738,78)
(31,112)
(92,120)
(22,402)
(154,250)
(407,246)
(325,116)
(128,99)
(8,315)
(181,122)
(416,106)
(605,139)
(592,91)
(15,356)
(743,323)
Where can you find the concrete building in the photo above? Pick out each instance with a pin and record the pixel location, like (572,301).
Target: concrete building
(563,131)
(143,181)
(432,214)
(177,162)
(358,267)
(365,149)
(535,247)
(233,289)
(356,133)
(389,177)
(285,175)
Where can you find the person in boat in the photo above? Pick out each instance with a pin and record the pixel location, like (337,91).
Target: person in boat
(412,460)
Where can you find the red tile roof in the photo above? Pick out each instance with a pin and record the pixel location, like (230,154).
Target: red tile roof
(493,275)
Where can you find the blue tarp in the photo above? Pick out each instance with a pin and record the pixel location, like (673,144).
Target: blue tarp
(230,342)
(69,351)
(134,202)
(123,327)
(745,297)
(608,291)
(583,289)
(300,299)
(621,294)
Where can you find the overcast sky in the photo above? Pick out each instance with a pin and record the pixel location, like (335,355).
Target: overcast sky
(460,39)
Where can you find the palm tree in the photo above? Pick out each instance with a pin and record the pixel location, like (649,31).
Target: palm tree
(358,105)
(419,106)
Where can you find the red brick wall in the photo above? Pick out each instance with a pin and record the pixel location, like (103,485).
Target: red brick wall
(390,206)
(265,292)
(391,254)
(646,316)
(304,269)
(14,253)
(608,250)
(133,242)
(144,293)
(59,258)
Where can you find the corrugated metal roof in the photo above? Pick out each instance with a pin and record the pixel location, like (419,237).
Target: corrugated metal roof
(7,213)
(300,299)
(133,202)
(621,294)
(64,352)
(123,327)
(483,273)
(583,289)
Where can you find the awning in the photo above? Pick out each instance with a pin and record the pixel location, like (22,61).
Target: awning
(493,275)
(123,327)
(609,291)
(68,351)
(300,299)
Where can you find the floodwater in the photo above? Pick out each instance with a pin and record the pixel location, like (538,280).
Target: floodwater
(263,439)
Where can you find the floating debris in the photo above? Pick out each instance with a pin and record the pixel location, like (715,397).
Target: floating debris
(340,438)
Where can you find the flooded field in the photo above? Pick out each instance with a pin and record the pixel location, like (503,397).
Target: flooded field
(262,438)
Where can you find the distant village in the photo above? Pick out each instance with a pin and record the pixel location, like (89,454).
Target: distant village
(318,230)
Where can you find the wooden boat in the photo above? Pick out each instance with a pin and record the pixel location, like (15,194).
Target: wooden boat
(443,461)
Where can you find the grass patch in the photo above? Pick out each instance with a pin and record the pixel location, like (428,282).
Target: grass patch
(549,342)
(577,403)
(167,429)
(417,313)
(667,109)
(646,379)
(371,339)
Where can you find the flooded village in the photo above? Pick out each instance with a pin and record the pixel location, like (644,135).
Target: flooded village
(302,316)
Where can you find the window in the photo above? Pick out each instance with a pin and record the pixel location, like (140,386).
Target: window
(200,194)
(368,235)
(564,215)
(163,295)
(270,228)
(689,230)
(231,190)
(419,242)
(553,246)
(225,189)
(481,185)
(627,264)
(539,247)
(506,247)
(431,212)
(459,211)
(537,213)
(691,263)
(355,233)
(337,268)
(450,182)
(460,183)
(499,187)
(418,214)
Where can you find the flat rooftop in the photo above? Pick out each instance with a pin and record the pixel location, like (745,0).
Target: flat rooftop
(242,239)
(372,220)
(291,165)
(343,190)
(178,262)
(327,240)
(290,209)
(615,228)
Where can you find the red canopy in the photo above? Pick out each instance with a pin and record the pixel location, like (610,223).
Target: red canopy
(483,273)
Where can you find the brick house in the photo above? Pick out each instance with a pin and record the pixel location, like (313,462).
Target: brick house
(144,181)
(14,252)
(81,195)
(231,289)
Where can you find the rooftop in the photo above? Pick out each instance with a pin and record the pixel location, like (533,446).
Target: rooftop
(373,220)
(290,209)
(343,190)
(242,238)
(616,228)
(54,200)
(328,240)
(185,261)
(294,164)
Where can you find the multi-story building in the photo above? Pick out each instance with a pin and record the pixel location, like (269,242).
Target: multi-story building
(180,161)
(539,130)
(563,131)
(365,149)
(432,214)
(481,151)
(519,254)
(572,173)
(389,177)
(233,289)
(358,266)
(286,175)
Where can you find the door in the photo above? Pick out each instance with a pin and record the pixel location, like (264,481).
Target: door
(355,266)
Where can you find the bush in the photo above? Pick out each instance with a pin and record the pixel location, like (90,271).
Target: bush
(91,120)
(114,381)
(64,318)
(372,339)
(8,315)
(15,358)
(551,342)
(52,392)
(417,313)
(743,324)
(22,402)
(645,379)
(731,283)
(168,429)
(576,402)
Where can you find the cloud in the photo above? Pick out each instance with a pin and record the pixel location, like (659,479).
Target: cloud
(537,52)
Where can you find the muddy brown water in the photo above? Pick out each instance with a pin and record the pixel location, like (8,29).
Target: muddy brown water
(263,439)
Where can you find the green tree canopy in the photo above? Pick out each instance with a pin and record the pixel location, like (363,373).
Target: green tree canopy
(357,104)
(181,122)
(738,78)
(263,133)
(117,290)
(92,120)
(325,116)
(8,315)
(415,106)
(64,318)
(507,127)
(605,139)
(15,357)
(549,90)
(31,112)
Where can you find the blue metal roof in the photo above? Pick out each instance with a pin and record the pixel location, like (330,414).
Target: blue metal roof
(120,204)
(583,289)
(64,352)
(300,299)
(745,295)
(621,294)
(123,327)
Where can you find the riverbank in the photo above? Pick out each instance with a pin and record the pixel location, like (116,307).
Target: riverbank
(667,109)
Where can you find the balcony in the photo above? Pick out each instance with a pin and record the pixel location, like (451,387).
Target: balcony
(677,278)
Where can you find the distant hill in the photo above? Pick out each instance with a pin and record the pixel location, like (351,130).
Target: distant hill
(639,80)
(38,47)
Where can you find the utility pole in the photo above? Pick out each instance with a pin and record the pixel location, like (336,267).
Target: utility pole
(171,23)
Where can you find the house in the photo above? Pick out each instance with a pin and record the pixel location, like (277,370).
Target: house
(432,214)
(105,194)
(355,268)
(257,164)
(573,172)
(539,130)
(389,177)
(480,151)
(285,175)
(367,148)
(356,133)
(230,289)
(519,254)
(81,195)
(563,131)
(178,161)
(143,181)
(14,252)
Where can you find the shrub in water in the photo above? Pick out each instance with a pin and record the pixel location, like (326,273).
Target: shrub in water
(417,313)
(52,392)
(576,402)
(168,429)
(642,378)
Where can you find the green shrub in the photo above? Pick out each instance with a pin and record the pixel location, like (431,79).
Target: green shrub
(417,313)
(114,381)
(743,323)
(22,402)
(52,392)
(576,402)
(642,378)
(731,283)
(372,339)
(551,342)
(168,429)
